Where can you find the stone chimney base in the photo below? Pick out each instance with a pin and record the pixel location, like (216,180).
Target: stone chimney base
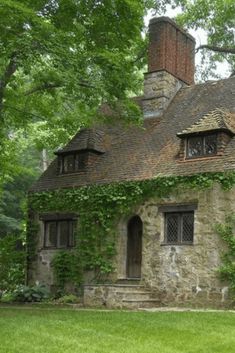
(160,87)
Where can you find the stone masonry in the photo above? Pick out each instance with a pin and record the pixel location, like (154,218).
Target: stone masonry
(171,274)
(187,272)
(159,89)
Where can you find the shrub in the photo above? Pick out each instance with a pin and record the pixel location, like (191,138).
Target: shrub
(68,299)
(7,297)
(12,263)
(35,293)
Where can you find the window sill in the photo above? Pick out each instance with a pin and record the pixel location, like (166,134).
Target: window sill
(55,248)
(82,171)
(197,159)
(176,244)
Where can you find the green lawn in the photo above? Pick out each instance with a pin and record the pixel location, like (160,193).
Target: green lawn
(27,330)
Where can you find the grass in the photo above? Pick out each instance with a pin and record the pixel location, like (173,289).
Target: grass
(43,330)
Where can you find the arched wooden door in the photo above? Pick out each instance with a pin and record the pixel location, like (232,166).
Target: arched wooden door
(134,247)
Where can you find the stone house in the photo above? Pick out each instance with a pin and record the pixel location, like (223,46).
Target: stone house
(167,251)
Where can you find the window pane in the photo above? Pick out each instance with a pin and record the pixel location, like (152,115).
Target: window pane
(63,234)
(51,234)
(60,165)
(72,229)
(69,163)
(82,160)
(210,144)
(172,226)
(76,162)
(195,146)
(187,227)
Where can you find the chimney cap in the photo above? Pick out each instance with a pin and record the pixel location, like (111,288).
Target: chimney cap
(156,20)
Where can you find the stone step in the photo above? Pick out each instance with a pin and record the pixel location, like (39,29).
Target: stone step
(128,281)
(141,304)
(129,295)
(120,296)
(115,285)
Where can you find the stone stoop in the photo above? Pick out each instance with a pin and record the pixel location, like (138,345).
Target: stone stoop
(122,296)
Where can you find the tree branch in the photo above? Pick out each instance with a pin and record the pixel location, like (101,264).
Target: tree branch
(225,50)
(23,111)
(48,86)
(44,87)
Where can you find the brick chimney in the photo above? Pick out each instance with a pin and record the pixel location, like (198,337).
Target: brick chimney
(170,64)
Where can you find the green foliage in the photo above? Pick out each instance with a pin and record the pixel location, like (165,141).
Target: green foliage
(66,268)
(35,293)
(227,233)
(100,208)
(68,299)
(16,179)
(12,263)
(7,297)
(60,60)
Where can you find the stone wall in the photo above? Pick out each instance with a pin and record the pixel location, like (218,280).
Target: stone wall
(175,274)
(180,274)
(40,269)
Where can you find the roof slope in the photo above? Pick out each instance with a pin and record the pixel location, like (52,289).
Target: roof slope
(85,139)
(136,153)
(218,119)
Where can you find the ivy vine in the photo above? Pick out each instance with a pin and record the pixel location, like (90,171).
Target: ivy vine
(99,209)
(227,269)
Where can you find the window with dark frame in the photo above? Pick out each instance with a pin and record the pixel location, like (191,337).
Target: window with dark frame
(72,162)
(201,146)
(59,233)
(179,227)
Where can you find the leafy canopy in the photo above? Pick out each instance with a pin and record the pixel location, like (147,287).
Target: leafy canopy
(60,60)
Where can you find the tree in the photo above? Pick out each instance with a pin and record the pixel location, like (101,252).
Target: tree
(61,59)
(25,165)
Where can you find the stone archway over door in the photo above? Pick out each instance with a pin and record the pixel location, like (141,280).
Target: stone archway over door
(134,247)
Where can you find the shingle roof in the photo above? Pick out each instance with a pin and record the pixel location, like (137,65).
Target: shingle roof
(218,119)
(137,153)
(86,139)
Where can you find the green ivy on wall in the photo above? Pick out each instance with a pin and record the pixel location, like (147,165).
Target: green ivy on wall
(99,209)
(227,233)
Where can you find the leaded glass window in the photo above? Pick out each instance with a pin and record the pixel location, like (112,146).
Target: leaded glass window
(199,146)
(210,142)
(71,163)
(179,227)
(59,233)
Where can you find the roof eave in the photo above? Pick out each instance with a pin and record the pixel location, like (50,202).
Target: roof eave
(194,133)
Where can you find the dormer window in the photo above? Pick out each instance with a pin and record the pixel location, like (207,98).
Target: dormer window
(201,146)
(81,152)
(72,162)
(207,137)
